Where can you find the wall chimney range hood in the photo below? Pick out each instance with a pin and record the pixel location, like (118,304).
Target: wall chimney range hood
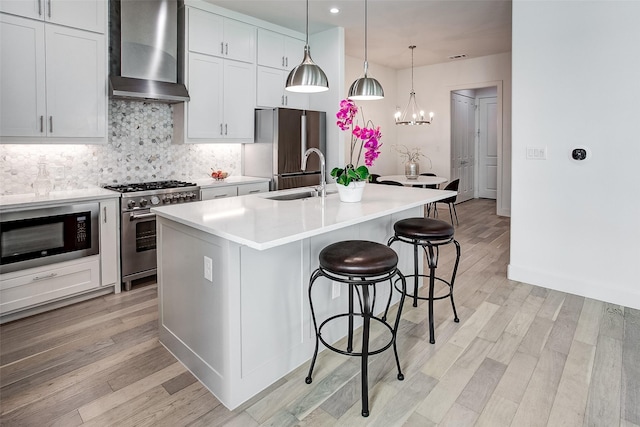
(146,50)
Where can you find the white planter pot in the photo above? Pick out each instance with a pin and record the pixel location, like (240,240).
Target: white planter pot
(351,193)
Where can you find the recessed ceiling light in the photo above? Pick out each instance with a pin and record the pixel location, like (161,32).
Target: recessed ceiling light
(334,10)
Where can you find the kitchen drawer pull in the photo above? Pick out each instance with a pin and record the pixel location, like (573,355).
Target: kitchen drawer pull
(134,217)
(221,48)
(226,48)
(51,124)
(48,276)
(219,196)
(282,102)
(286,62)
(49,8)
(41,124)
(254,191)
(220,128)
(104,211)
(283,61)
(39,7)
(225,128)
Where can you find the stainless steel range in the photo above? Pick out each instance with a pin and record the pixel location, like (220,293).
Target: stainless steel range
(138,224)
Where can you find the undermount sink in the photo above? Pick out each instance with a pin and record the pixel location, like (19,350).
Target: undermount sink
(299,195)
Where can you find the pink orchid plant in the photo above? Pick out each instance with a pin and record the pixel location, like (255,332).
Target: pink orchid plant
(365,138)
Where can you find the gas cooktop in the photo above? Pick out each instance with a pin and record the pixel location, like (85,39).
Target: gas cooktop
(148,186)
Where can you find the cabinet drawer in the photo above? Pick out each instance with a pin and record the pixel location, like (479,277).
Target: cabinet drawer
(259,187)
(19,290)
(218,192)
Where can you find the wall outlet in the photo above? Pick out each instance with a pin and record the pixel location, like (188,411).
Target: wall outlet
(335,290)
(208,268)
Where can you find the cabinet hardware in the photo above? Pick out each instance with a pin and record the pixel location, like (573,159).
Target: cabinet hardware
(226,48)
(48,276)
(41,124)
(219,196)
(283,61)
(254,191)
(104,212)
(51,124)
(225,128)
(286,62)
(282,101)
(49,8)
(221,48)
(220,128)
(39,7)
(134,217)
(286,100)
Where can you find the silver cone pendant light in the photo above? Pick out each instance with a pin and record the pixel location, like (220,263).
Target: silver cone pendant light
(365,88)
(307,77)
(412,115)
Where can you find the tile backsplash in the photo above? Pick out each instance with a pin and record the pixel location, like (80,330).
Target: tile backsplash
(139,149)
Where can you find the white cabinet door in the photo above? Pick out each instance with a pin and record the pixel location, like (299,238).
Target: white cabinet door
(205,32)
(279,51)
(22,77)
(109,252)
(239,96)
(86,14)
(204,110)
(271,93)
(76,83)
(258,187)
(293,52)
(270,89)
(239,41)
(215,35)
(270,49)
(218,192)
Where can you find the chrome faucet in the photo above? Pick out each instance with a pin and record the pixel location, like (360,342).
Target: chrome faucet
(323,183)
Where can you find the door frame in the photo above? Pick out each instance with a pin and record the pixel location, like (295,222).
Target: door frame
(500,210)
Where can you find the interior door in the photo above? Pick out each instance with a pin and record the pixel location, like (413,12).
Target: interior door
(488,148)
(463,125)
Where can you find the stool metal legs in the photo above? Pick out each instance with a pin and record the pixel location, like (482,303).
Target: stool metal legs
(431,250)
(366,304)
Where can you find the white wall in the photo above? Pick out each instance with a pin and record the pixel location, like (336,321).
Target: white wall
(380,112)
(576,225)
(433,85)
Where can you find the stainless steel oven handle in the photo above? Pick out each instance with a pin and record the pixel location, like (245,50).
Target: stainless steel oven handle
(135,217)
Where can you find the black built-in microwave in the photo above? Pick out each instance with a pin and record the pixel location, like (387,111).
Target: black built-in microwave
(32,238)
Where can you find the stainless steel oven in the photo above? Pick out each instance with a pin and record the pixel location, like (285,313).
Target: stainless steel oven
(32,238)
(138,224)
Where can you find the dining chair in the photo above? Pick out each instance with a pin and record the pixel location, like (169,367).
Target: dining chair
(386,182)
(450,201)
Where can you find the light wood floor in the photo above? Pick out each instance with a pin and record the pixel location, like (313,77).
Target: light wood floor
(521,356)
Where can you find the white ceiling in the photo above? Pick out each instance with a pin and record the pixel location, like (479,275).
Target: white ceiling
(438,28)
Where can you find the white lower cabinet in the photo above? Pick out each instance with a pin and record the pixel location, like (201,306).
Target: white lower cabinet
(233,190)
(35,286)
(109,251)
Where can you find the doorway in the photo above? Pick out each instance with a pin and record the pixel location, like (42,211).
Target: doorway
(475,141)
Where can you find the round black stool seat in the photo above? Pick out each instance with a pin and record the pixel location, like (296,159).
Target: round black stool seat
(358,258)
(423,229)
(362,266)
(429,234)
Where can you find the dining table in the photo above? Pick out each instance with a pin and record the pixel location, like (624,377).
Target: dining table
(420,180)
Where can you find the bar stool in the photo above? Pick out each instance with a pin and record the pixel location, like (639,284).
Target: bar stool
(361,265)
(429,234)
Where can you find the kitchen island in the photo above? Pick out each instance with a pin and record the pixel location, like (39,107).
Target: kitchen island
(233,277)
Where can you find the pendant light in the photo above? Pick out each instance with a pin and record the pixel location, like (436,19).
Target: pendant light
(307,77)
(365,88)
(412,115)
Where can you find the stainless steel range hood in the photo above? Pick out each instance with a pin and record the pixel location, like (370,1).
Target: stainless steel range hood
(146,50)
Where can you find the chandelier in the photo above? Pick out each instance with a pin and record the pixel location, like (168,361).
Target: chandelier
(412,115)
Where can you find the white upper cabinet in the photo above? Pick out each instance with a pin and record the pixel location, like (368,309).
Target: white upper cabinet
(86,14)
(270,92)
(216,35)
(279,51)
(53,81)
(221,105)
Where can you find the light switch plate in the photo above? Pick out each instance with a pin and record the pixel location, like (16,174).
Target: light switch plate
(536,153)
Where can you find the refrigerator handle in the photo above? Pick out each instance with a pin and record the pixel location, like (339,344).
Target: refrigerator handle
(303,134)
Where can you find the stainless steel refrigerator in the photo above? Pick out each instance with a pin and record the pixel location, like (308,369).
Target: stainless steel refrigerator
(282,135)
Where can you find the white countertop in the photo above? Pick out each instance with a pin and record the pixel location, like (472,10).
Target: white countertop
(30,200)
(231,180)
(260,223)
